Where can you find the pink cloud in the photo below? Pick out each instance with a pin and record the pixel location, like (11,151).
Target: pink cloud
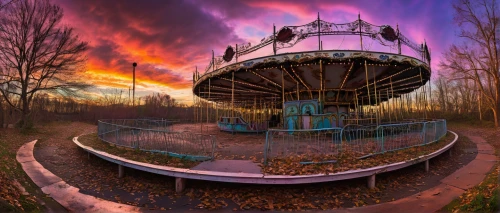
(169,38)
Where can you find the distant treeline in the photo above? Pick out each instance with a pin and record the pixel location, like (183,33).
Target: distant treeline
(453,100)
(111,106)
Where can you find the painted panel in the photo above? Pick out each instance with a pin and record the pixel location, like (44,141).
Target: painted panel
(342,117)
(309,107)
(326,122)
(291,115)
(291,110)
(317,121)
(333,118)
(306,122)
(237,124)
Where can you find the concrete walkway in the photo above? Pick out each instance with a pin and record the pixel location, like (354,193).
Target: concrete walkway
(451,187)
(430,200)
(68,196)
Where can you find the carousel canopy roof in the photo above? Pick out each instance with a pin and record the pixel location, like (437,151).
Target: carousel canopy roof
(340,77)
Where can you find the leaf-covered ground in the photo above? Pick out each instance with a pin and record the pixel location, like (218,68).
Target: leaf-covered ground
(99,178)
(13,198)
(291,165)
(137,155)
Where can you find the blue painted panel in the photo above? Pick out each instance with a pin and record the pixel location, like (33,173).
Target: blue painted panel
(317,122)
(291,122)
(326,122)
(309,106)
(305,106)
(323,121)
(237,124)
(291,108)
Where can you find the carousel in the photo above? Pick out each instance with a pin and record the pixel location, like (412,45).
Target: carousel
(314,106)
(312,89)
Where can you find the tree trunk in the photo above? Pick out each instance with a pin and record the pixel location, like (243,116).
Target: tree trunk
(480,110)
(495,115)
(2,115)
(497,102)
(25,121)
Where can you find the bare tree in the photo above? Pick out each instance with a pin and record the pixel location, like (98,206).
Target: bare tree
(4,3)
(477,58)
(37,54)
(112,98)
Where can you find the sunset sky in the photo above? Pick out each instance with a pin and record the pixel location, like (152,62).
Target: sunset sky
(168,39)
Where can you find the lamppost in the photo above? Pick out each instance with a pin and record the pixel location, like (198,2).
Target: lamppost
(497,34)
(133,84)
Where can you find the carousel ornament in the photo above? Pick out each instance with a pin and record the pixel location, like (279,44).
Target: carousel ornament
(229,54)
(388,33)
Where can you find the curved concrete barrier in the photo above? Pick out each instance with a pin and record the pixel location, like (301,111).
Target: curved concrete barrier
(68,196)
(253,178)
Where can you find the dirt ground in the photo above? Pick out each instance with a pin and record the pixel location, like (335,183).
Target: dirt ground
(97,177)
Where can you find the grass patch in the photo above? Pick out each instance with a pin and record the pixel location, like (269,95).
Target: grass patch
(467,123)
(134,154)
(481,198)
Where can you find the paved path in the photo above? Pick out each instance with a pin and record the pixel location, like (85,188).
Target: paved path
(451,187)
(430,200)
(68,196)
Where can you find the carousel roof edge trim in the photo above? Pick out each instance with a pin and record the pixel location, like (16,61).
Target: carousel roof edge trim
(298,57)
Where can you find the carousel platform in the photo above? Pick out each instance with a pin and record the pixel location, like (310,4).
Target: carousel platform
(244,171)
(236,166)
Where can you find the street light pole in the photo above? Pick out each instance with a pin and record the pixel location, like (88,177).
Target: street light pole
(133,84)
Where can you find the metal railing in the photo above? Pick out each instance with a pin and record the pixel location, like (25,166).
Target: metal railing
(308,142)
(319,28)
(144,123)
(362,140)
(155,136)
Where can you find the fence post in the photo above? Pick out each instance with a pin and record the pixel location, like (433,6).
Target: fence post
(214,144)
(266,147)
(340,139)
(121,171)
(423,132)
(436,137)
(381,130)
(116,134)
(180,184)
(371,181)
